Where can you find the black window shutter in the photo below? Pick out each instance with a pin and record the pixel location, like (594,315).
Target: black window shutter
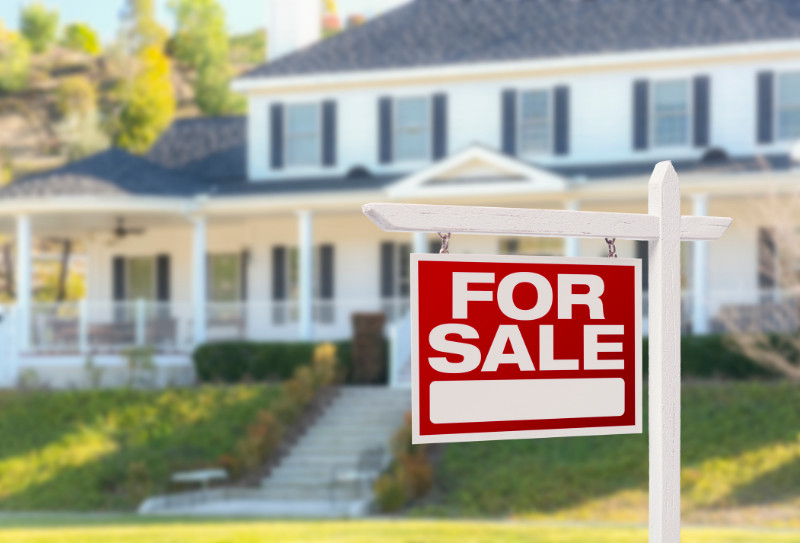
(434,246)
(641,90)
(385,130)
(329,133)
(643,252)
(276,136)
(387,269)
(118,278)
(439,126)
(162,278)
(702,110)
(561,121)
(326,272)
(509,114)
(279,273)
(765,107)
(767,258)
(244,262)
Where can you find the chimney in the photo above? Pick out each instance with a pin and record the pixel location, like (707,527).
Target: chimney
(292,25)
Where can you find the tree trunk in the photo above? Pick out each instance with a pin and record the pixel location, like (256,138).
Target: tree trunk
(8,264)
(66,251)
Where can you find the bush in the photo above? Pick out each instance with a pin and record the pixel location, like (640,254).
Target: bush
(15,60)
(713,356)
(39,26)
(81,37)
(390,492)
(235,361)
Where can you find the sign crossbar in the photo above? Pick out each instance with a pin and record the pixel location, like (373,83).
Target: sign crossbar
(535,222)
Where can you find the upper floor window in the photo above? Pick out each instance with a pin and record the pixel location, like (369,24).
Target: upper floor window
(303,135)
(534,122)
(788,106)
(671,113)
(412,129)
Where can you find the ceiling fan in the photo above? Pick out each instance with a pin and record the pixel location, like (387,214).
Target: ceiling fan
(120,231)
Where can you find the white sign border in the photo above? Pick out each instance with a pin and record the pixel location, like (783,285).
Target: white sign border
(418,439)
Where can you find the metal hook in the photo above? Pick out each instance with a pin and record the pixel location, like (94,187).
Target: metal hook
(445,243)
(612,247)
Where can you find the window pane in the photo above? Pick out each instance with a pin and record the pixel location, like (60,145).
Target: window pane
(141,278)
(671,113)
(789,89)
(302,135)
(224,278)
(789,106)
(412,132)
(534,130)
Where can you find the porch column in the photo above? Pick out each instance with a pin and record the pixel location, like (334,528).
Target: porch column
(700,324)
(420,242)
(306,275)
(23,281)
(572,245)
(199,279)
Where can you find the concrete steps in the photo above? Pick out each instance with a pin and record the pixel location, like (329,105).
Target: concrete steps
(359,418)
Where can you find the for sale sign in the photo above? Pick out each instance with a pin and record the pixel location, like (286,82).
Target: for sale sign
(510,347)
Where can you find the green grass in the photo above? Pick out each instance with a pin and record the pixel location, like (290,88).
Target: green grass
(131,530)
(107,449)
(740,464)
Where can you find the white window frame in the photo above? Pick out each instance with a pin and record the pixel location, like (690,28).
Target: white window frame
(428,100)
(154,277)
(286,139)
(653,129)
(777,108)
(548,149)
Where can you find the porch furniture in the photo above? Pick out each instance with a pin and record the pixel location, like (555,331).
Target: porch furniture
(201,476)
(370,463)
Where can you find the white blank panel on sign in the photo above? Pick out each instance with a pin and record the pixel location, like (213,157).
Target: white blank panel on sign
(528,399)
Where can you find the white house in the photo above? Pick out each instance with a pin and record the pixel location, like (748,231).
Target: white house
(251,227)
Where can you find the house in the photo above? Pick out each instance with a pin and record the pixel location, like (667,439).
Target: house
(251,227)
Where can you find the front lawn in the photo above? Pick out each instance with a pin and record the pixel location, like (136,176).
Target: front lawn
(108,449)
(134,530)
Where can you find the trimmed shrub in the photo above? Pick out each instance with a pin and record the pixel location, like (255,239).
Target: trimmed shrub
(236,361)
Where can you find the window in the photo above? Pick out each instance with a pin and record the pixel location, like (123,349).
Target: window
(534,122)
(141,278)
(224,277)
(302,135)
(671,113)
(412,132)
(788,110)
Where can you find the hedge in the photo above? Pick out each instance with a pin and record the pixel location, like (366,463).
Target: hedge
(713,356)
(235,361)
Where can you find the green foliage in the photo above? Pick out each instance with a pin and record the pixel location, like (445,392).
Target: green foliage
(409,477)
(201,44)
(139,27)
(740,447)
(15,60)
(149,104)
(82,37)
(248,49)
(76,96)
(39,25)
(714,356)
(235,361)
(104,449)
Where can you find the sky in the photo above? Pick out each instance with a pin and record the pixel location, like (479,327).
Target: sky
(242,15)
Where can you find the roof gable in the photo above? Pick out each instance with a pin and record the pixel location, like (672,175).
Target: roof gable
(438,32)
(477,170)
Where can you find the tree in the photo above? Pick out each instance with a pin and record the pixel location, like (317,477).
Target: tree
(140,29)
(79,128)
(201,44)
(149,105)
(81,37)
(39,26)
(15,60)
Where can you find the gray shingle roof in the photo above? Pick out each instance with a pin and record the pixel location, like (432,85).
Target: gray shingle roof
(437,32)
(110,173)
(205,148)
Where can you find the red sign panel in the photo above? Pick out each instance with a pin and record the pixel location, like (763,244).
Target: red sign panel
(510,347)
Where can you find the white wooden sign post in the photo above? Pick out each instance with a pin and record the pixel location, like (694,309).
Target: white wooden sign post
(664,228)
